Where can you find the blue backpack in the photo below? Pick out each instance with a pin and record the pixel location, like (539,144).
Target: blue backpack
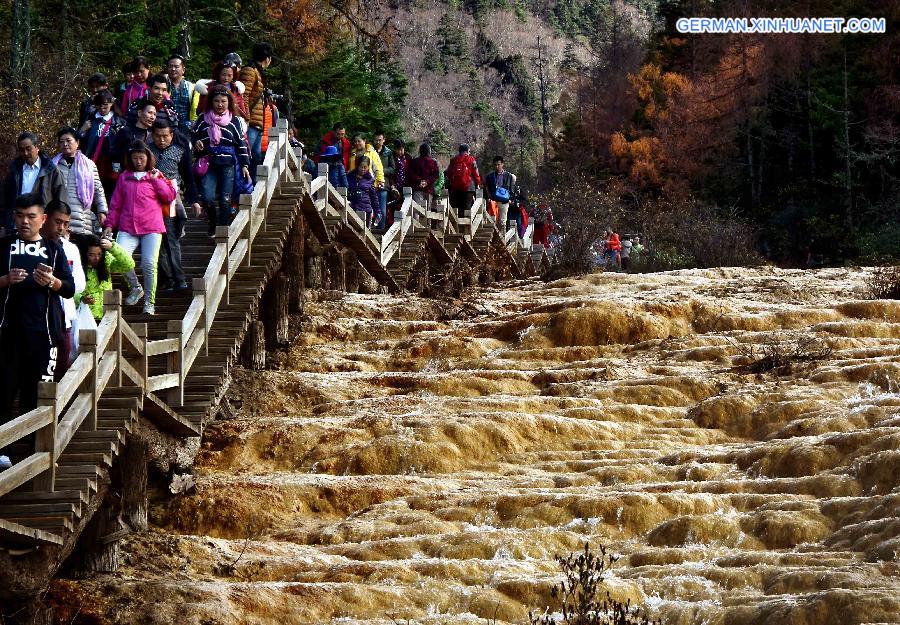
(502,194)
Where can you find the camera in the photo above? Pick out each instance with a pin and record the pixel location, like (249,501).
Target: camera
(273,97)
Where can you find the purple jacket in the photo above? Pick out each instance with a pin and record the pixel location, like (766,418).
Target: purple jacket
(361,191)
(137,206)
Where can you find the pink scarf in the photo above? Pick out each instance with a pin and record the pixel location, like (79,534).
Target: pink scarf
(84,178)
(216,123)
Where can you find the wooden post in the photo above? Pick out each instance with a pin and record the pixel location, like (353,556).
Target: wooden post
(140,329)
(293,264)
(336,269)
(344,202)
(254,351)
(100,538)
(315,271)
(112,301)
(132,468)
(351,273)
(323,193)
(246,204)
(87,339)
(199,286)
(262,177)
(367,283)
(175,364)
(222,238)
(276,313)
(45,438)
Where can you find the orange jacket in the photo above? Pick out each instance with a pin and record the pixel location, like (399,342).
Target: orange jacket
(613,243)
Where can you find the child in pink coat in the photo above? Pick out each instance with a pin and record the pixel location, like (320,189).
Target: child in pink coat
(136,211)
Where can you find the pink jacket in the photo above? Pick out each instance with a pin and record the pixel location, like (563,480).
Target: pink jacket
(137,205)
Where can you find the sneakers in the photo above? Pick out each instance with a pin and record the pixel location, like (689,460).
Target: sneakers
(149,309)
(182,286)
(134,296)
(5,463)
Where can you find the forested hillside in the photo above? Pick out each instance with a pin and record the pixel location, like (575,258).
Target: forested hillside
(794,136)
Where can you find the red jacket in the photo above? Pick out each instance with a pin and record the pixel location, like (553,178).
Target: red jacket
(422,168)
(343,146)
(469,160)
(137,206)
(613,243)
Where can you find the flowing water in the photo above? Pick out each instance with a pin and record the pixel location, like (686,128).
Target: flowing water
(418,461)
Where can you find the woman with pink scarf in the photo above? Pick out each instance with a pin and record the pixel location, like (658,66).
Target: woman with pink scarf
(220,142)
(84,189)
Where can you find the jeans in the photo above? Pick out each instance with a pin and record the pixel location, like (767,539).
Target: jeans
(382,206)
(149,244)
(217,186)
(254,138)
(170,269)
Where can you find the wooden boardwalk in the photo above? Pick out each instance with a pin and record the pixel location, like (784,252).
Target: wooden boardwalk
(172,368)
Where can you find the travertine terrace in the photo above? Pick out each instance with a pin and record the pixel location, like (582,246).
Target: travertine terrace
(423,461)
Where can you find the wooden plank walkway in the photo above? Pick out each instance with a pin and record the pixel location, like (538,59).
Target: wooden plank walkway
(172,368)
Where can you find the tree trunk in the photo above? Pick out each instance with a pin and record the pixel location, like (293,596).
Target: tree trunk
(848,173)
(132,467)
(184,32)
(276,317)
(20,45)
(254,351)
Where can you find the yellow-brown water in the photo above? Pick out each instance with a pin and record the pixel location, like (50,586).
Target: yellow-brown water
(421,461)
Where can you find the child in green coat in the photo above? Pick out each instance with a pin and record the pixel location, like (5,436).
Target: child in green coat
(101,258)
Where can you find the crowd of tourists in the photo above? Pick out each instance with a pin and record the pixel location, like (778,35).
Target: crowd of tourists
(145,155)
(612,252)
(375,176)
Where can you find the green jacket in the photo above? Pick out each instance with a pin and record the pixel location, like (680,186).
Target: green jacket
(117,261)
(439,184)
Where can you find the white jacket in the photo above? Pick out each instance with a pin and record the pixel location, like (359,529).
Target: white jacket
(74,258)
(81,215)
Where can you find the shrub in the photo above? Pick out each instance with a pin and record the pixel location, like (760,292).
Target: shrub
(687,234)
(582,597)
(884,283)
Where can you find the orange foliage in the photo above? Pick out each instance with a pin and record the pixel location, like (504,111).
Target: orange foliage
(685,124)
(301,26)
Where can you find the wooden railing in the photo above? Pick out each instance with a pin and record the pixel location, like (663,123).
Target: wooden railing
(116,349)
(439,217)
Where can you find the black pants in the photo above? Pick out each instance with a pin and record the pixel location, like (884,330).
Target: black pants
(169,263)
(26,358)
(461,201)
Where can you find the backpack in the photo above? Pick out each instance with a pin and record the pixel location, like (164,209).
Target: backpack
(460,174)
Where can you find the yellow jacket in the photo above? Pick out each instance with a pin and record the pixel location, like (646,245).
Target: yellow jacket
(377,169)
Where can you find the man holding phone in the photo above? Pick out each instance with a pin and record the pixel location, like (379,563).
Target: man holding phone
(31,319)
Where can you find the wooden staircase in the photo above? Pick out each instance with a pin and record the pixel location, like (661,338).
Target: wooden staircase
(173,368)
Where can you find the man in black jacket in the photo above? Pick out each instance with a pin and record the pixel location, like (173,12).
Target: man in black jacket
(32,319)
(31,172)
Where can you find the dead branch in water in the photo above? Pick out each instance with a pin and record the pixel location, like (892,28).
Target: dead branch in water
(584,598)
(782,354)
(884,283)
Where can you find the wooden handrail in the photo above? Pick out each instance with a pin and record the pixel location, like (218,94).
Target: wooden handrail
(117,351)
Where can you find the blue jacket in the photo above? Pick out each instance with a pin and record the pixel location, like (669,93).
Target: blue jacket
(337,175)
(362,193)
